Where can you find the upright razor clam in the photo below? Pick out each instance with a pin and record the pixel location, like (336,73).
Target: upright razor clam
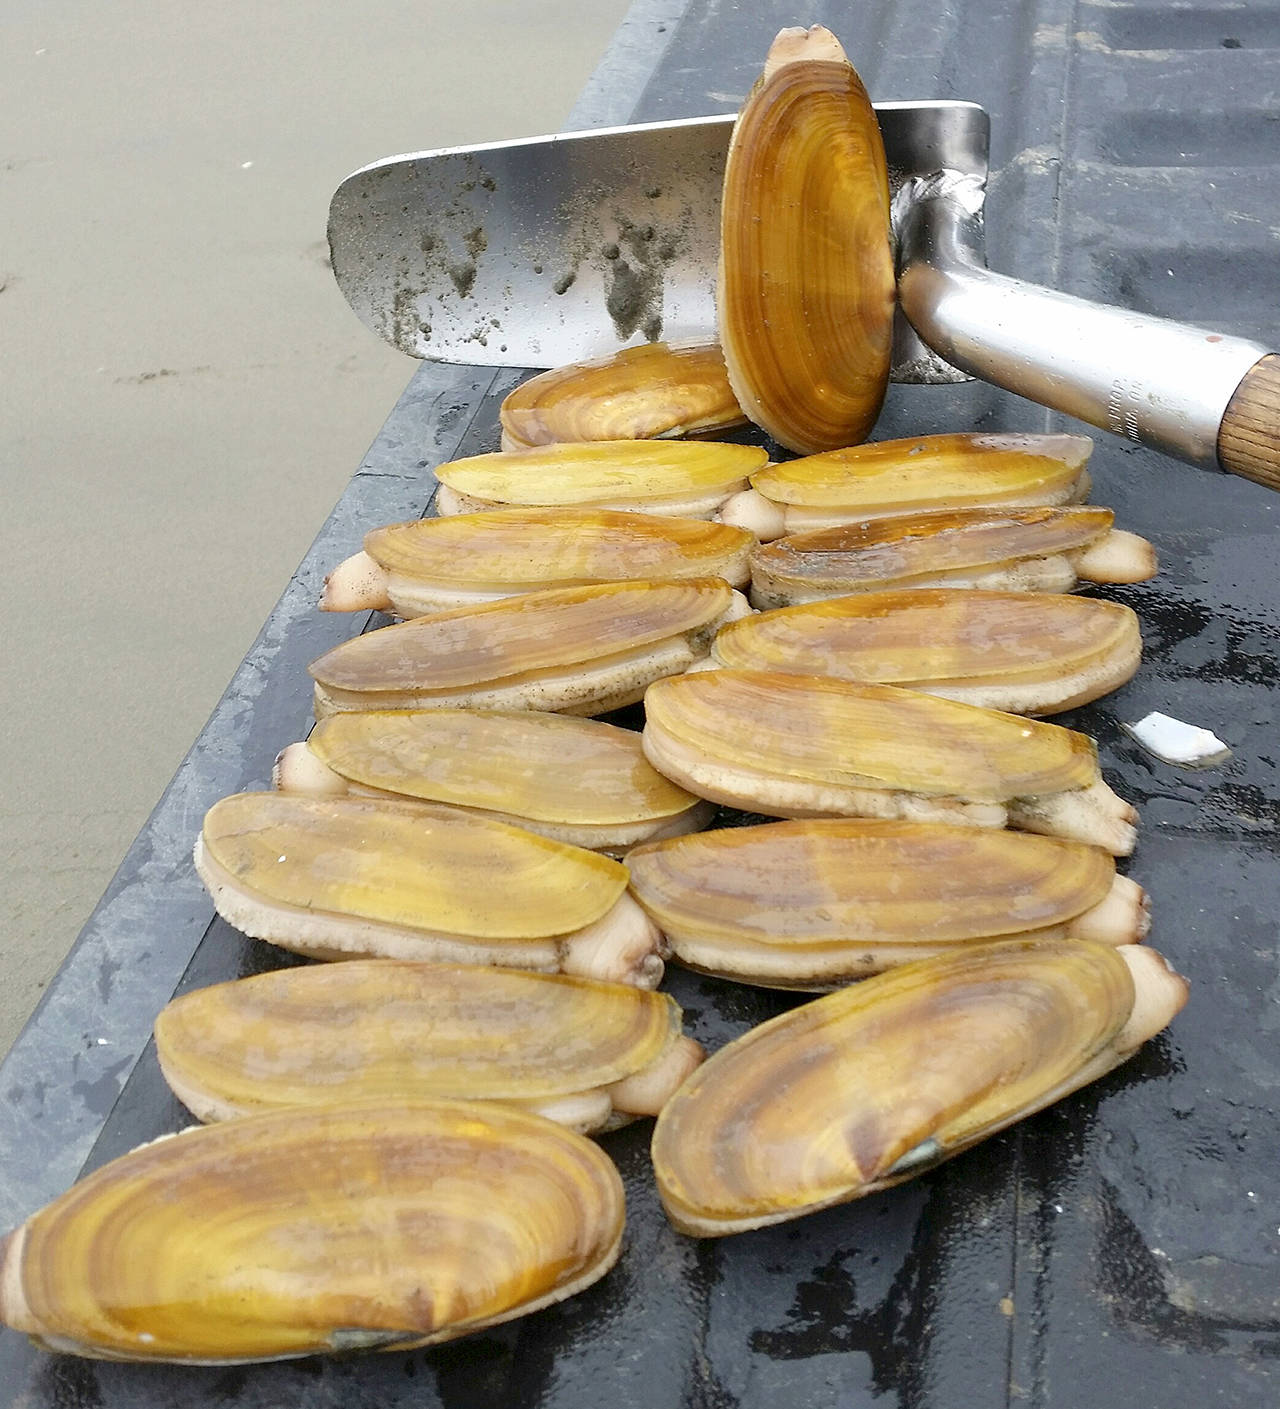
(877,1082)
(371,1225)
(1024,653)
(815,904)
(647,392)
(805,284)
(686,478)
(579,781)
(1019,550)
(580,650)
(434,564)
(924,474)
(811,746)
(586,1054)
(358,878)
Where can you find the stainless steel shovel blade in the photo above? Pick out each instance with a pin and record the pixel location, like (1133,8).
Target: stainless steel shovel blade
(540,252)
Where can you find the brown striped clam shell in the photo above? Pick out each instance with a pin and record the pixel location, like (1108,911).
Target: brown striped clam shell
(581,650)
(570,1048)
(814,904)
(810,746)
(641,393)
(1020,652)
(1012,550)
(382,1224)
(872,1084)
(435,564)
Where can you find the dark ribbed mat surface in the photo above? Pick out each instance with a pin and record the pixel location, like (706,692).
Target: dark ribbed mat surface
(1122,1248)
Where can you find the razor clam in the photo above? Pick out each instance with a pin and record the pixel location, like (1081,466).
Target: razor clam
(377,1225)
(815,904)
(583,650)
(877,1082)
(579,781)
(641,393)
(1025,653)
(684,478)
(1017,550)
(431,565)
(587,1054)
(924,474)
(811,746)
(805,291)
(346,877)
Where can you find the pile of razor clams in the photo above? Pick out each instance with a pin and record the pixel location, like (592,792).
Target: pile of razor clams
(857,643)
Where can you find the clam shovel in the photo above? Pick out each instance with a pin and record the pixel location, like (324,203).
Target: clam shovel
(554,249)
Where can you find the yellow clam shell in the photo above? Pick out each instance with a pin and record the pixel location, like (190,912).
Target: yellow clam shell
(813,904)
(686,478)
(805,293)
(339,1032)
(1029,654)
(383,1224)
(927,473)
(505,551)
(865,1087)
(658,389)
(549,772)
(358,877)
(582,649)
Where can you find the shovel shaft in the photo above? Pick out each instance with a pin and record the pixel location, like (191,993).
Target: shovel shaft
(1192,393)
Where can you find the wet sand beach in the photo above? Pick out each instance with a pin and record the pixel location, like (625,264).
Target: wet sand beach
(185,392)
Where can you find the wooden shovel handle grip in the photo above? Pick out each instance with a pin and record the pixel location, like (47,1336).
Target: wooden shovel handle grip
(1249,436)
